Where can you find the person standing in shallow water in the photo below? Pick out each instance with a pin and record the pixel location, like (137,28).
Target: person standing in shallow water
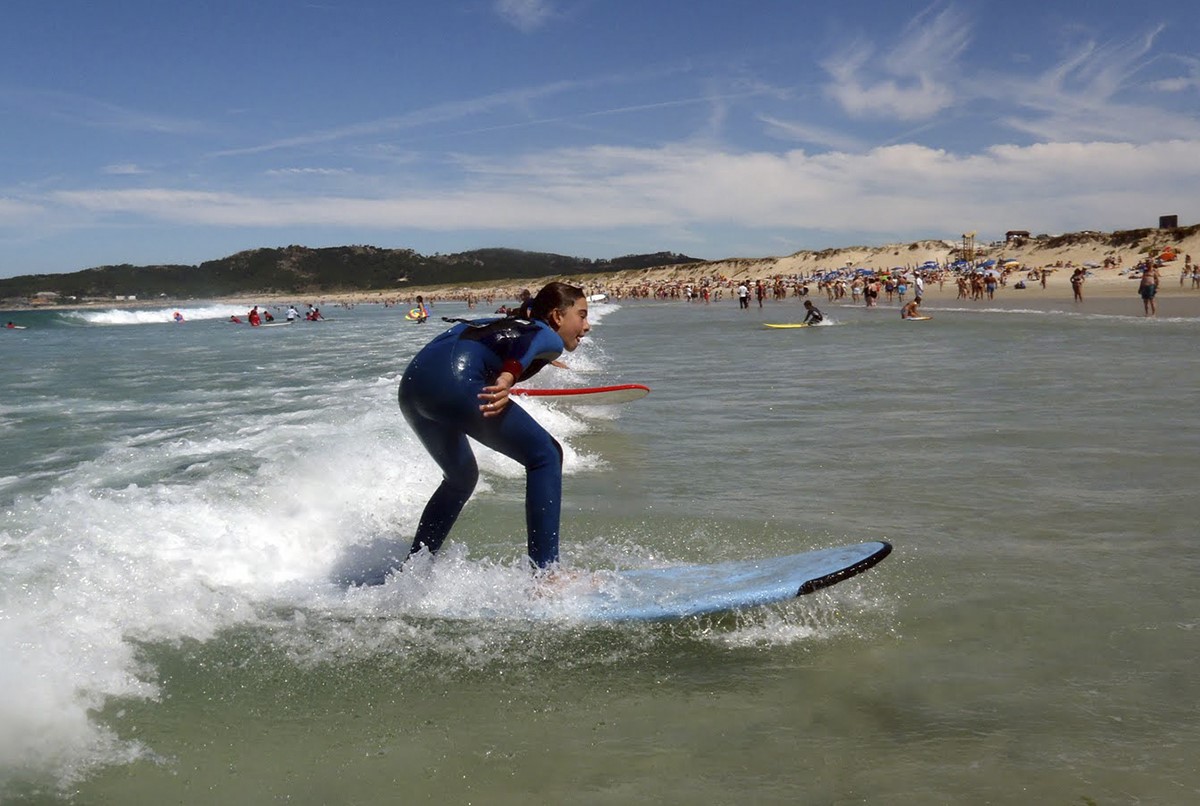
(458,386)
(1077,278)
(1148,288)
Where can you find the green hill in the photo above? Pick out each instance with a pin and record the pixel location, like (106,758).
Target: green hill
(299,269)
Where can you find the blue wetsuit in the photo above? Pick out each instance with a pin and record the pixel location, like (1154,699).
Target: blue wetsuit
(439,399)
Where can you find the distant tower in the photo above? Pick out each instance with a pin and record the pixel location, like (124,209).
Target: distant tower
(968,246)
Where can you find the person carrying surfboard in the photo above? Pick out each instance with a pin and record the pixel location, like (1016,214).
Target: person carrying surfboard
(457,387)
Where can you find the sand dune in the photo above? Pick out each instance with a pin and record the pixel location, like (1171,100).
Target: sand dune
(1125,249)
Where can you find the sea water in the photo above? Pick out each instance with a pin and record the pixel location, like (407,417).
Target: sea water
(175,497)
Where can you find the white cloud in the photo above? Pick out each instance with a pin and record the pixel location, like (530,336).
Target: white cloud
(1180,84)
(308,171)
(816,135)
(123,169)
(897,189)
(83,111)
(1094,93)
(908,81)
(14,212)
(525,15)
(1191,81)
(518,98)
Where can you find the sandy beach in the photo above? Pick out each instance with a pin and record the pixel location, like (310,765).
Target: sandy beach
(1111,287)
(1105,291)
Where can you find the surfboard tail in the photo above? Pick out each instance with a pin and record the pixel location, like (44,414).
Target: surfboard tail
(837,576)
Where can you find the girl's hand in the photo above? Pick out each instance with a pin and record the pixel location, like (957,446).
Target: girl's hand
(495,398)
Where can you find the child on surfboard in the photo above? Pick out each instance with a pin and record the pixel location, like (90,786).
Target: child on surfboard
(814,316)
(458,386)
(911,310)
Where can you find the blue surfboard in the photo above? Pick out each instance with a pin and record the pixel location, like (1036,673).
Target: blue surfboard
(657,594)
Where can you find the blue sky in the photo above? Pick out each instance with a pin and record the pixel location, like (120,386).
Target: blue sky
(177,132)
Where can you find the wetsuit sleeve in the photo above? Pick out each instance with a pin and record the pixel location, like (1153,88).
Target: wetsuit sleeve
(540,347)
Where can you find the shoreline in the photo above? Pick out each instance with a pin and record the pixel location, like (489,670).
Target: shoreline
(1104,293)
(1107,288)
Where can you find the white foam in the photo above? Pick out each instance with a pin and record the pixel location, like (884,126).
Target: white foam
(196,518)
(154,316)
(1069,314)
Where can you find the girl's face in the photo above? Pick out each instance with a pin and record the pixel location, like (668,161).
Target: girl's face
(571,324)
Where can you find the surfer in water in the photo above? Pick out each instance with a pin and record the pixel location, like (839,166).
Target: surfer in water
(524,308)
(457,387)
(813,315)
(911,310)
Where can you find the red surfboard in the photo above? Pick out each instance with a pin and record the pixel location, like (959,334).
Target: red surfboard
(590,395)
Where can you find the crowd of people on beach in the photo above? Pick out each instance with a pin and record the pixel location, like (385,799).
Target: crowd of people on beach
(859,286)
(973,282)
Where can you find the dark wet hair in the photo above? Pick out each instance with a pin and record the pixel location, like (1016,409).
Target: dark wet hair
(555,296)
